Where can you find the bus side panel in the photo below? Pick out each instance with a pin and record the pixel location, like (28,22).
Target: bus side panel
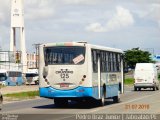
(13,81)
(112,90)
(19,80)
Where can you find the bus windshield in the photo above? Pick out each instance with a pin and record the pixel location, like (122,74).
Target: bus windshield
(64,55)
(31,75)
(3,76)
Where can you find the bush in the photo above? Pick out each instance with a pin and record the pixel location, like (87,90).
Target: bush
(129,81)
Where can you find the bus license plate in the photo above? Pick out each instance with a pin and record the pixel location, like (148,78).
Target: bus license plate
(139,80)
(64,85)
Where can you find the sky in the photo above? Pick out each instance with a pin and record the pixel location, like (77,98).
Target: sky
(123,24)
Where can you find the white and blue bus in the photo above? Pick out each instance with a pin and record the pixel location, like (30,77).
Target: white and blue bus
(32,77)
(14,77)
(80,71)
(3,76)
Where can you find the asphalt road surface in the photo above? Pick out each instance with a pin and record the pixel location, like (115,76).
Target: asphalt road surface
(132,102)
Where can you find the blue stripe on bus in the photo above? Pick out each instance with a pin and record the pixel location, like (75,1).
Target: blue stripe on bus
(77,92)
(49,92)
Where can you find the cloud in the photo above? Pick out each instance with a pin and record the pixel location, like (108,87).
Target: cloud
(39,9)
(121,19)
(95,27)
(154,13)
(4,11)
(88,2)
(149,10)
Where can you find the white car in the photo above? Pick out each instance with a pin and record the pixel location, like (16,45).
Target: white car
(146,76)
(1,101)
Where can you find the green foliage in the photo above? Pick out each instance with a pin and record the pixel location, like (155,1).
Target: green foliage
(23,95)
(129,81)
(136,55)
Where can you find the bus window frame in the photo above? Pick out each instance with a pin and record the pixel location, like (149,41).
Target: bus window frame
(80,63)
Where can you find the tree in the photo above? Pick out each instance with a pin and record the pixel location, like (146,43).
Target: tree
(135,55)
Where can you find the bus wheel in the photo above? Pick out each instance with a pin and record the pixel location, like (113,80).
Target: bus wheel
(60,102)
(102,100)
(157,87)
(36,83)
(1,102)
(116,99)
(135,89)
(154,88)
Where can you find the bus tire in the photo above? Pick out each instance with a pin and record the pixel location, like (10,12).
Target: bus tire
(154,88)
(36,82)
(135,89)
(60,102)
(116,99)
(157,87)
(102,100)
(1,102)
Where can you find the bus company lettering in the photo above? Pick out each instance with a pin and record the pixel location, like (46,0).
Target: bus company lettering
(64,73)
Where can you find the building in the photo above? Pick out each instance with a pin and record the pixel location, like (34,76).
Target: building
(12,60)
(32,61)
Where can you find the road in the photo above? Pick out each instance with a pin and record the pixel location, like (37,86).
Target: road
(144,101)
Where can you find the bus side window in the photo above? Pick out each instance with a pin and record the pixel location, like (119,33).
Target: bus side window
(119,62)
(94,61)
(103,62)
(114,62)
(107,62)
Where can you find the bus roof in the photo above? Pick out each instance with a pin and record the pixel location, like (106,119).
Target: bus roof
(82,44)
(106,48)
(3,71)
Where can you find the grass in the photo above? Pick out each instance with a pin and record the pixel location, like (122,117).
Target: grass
(129,81)
(22,95)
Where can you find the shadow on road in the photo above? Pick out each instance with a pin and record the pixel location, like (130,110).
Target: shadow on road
(75,105)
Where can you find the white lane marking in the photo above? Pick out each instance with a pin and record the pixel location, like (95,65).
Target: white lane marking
(66,117)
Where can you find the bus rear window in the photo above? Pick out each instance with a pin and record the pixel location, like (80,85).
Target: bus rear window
(14,74)
(64,55)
